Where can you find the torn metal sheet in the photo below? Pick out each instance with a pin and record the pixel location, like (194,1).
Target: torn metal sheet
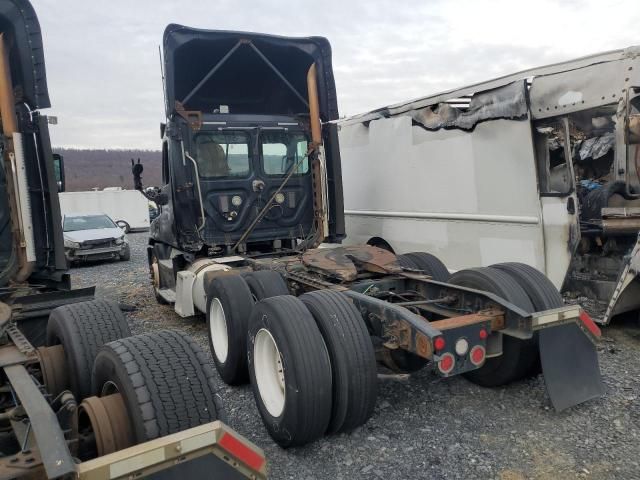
(508,102)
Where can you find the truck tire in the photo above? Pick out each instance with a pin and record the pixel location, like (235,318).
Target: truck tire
(164,378)
(82,328)
(353,361)
(542,293)
(229,306)
(430,265)
(266,284)
(290,371)
(404,260)
(518,356)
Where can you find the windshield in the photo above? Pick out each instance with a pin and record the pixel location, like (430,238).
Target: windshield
(222,154)
(87,222)
(282,150)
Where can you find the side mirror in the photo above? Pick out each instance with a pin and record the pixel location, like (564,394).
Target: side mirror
(161,199)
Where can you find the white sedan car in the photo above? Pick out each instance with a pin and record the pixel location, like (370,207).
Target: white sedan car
(93,237)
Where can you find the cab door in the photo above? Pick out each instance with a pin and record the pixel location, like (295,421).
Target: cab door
(558,198)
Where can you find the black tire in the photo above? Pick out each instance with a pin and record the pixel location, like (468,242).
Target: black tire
(165,380)
(429,264)
(353,360)
(518,356)
(124,226)
(126,255)
(233,295)
(305,366)
(542,293)
(82,328)
(266,284)
(406,261)
(401,361)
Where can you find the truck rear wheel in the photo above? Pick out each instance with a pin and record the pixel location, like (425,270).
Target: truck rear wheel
(353,362)
(290,371)
(82,328)
(266,284)
(229,305)
(542,293)
(429,264)
(164,379)
(518,356)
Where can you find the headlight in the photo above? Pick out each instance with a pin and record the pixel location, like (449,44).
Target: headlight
(280,197)
(236,200)
(120,241)
(70,244)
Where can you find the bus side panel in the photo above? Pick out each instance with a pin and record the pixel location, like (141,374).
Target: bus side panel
(471,198)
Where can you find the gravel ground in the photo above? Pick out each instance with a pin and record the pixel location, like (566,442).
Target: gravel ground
(427,427)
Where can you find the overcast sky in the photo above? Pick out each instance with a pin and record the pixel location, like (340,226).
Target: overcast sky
(103,67)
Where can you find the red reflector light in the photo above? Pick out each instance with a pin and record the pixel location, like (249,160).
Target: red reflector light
(477,355)
(483,334)
(439,343)
(589,323)
(446,363)
(242,452)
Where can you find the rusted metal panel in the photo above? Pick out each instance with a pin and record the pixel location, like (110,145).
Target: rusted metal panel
(345,263)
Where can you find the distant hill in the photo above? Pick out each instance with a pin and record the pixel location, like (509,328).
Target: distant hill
(87,169)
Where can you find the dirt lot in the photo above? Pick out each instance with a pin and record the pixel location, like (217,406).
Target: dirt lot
(428,427)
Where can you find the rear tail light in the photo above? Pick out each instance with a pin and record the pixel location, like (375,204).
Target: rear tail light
(589,323)
(439,343)
(241,451)
(446,363)
(483,334)
(477,355)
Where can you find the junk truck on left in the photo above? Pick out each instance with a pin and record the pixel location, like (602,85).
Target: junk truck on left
(80,397)
(252,187)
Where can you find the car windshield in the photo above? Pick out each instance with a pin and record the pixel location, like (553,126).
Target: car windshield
(87,222)
(283,150)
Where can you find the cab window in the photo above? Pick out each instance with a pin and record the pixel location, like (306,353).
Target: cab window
(222,154)
(282,151)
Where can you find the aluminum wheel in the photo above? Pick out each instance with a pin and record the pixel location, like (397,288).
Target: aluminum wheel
(218,330)
(269,372)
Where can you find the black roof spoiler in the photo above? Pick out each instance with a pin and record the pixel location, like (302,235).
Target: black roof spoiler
(248,72)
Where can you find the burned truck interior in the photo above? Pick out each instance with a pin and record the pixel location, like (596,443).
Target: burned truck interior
(592,152)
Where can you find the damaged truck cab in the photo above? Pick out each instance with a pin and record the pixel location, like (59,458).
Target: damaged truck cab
(237,128)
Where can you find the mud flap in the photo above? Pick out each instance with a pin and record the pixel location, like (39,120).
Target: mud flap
(570,366)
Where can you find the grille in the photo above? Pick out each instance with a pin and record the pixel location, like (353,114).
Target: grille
(97,244)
